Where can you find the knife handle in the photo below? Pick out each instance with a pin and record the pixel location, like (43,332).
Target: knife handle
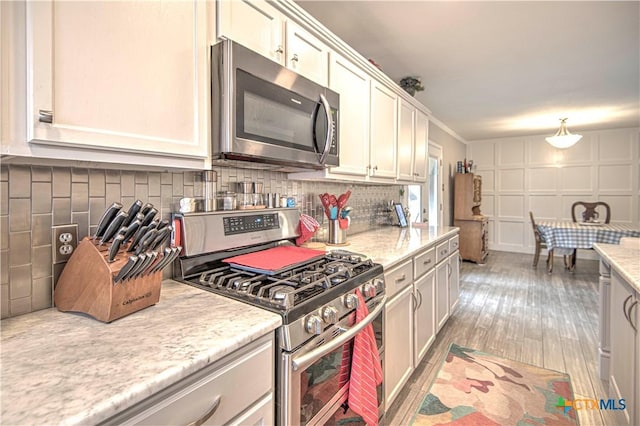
(142,230)
(115,246)
(148,217)
(133,211)
(133,259)
(131,229)
(146,241)
(113,227)
(145,209)
(106,218)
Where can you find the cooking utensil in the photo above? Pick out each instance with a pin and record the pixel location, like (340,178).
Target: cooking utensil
(133,212)
(115,246)
(133,259)
(141,260)
(106,218)
(146,240)
(113,227)
(333,210)
(345,212)
(161,237)
(145,209)
(333,201)
(142,231)
(130,230)
(167,252)
(148,217)
(343,198)
(324,199)
(151,256)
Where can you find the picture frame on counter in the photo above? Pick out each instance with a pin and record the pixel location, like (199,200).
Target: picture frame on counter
(402,219)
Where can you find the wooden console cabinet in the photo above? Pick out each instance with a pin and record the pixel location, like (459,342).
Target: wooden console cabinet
(468,217)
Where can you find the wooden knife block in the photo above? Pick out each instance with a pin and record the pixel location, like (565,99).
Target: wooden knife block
(86,285)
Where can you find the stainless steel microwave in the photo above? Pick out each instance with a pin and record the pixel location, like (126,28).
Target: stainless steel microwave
(266,113)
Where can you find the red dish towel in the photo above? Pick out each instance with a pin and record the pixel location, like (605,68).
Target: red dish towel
(366,370)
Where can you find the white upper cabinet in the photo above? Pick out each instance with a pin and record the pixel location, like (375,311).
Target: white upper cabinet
(383,132)
(259,26)
(306,54)
(352,84)
(406,120)
(119,77)
(420,147)
(254,24)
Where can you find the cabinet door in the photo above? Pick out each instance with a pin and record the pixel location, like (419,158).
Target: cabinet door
(254,24)
(623,349)
(442,294)
(454,280)
(424,327)
(398,343)
(132,77)
(306,54)
(383,131)
(406,118)
(352,84)
(420,147)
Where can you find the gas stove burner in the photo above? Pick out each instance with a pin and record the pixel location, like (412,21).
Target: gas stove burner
(279,292)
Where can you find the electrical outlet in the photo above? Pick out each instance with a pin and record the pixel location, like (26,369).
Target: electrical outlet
(64,241)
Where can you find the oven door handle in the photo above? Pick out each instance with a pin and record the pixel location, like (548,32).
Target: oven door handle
(307,359)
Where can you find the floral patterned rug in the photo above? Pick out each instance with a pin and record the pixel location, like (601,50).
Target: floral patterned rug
(476,388)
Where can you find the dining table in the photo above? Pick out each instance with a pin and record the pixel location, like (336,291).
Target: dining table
(564,237)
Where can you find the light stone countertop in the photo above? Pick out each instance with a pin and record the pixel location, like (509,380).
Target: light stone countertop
(625,260)
(68,368)
(391,244)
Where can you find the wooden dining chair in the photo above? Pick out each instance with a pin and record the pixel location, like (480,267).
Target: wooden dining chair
(540,244)
(589,211)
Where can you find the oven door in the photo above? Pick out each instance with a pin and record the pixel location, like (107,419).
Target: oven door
(313,380)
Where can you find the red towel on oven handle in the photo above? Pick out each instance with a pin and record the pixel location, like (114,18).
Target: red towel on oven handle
(366,370)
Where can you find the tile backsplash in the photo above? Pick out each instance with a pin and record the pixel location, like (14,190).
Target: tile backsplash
(34,198)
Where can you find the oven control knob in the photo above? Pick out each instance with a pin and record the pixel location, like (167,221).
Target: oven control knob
(330,315)
(351,301)
(313,324)
(369,290)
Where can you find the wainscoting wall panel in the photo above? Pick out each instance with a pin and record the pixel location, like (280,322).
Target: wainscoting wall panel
(527,174)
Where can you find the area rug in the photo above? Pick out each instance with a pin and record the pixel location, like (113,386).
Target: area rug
(477,388)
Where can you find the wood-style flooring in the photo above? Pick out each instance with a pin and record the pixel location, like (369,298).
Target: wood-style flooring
(511,309)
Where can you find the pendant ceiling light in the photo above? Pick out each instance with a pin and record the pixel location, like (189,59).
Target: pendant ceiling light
(563,139)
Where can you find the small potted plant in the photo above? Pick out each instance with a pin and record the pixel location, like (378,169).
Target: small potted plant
(411,85)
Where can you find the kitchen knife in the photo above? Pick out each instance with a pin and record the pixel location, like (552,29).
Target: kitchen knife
(146,240)
(133,259)
(132,273)
(113,227)
(148,217)
(130,230)
(115,246)
(145,209)
(133,211)
(161,237)
(167,258)
(106,219)
(151,257)
(162,224)
(141,232)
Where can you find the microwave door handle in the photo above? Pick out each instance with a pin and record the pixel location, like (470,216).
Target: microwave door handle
(307,359)
(327,145)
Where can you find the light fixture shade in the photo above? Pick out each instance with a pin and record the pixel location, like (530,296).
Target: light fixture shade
(563,139)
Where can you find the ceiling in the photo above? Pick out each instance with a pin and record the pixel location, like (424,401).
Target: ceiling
(502,69)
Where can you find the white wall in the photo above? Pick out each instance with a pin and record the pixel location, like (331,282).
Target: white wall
(526,174)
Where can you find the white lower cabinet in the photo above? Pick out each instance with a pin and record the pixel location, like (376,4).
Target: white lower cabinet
(238,389)
(625,353)
(398,358)
(424,330)
(422,293)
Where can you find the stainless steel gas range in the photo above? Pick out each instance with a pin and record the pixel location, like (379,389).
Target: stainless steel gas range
(315,298)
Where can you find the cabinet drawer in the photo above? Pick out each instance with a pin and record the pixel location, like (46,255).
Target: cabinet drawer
(238,383)
(442,251)
(398,278)
(454,243)
(424,262)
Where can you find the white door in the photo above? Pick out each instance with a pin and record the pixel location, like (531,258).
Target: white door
(435,188)
(383,131)
(406,118)
(398,342)
(424,329)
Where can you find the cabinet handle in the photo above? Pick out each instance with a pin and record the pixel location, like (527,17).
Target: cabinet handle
(279,49)
(633,305)
(208,414)
(449,270)
(426,262)
(45,116)
(624,307)
(402,278)
(415,301)
(420,302)
(295,58)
